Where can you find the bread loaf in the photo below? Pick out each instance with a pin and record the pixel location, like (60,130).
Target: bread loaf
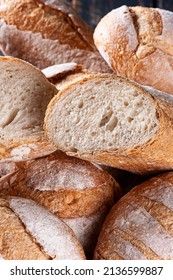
(57,72)
(30,232)
(137,43)
(108,120)
(24,95)
(45,33)
(62,75)
(139,226)
(74,190)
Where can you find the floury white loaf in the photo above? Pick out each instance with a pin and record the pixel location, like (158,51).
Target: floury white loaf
(47,32)
(137,44)
(139,226)
(24,95)
(30,232)
(75,190)
(111,121)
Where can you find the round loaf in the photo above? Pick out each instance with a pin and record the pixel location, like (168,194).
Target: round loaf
(24,95)
(137,43)
(30,232)
(140,224)
(75,190)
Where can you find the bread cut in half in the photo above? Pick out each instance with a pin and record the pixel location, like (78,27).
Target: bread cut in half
(140,224)
(61,75)
(57,72)
(75,190)
(24,95)
(108,120)
(137,43)
(30,232)
(47,32)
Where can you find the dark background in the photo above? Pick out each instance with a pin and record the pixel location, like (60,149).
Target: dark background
(93,10)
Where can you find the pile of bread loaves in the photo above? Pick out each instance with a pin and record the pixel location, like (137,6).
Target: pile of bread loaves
(86,133)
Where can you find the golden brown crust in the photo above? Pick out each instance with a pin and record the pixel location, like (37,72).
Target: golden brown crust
(13,235)
(153,156)
(46,181)
(47,33)
(137,42)
(50,22)
(141,220)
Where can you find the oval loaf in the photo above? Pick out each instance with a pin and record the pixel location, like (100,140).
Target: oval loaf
(30,232)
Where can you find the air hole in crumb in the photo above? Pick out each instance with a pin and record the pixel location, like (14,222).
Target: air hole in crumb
(80,105)
(112,124)
(94,133)
(129,119)
(107,83)
(105,118)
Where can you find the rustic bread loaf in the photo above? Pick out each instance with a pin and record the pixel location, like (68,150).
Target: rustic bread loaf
(24,95)
(30,232)
(111,121)
(57,72)
(137,43)
(139,226)
(74,190)
(62,75)
(45,33)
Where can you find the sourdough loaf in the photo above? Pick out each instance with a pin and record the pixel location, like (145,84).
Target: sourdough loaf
(75,190)
(139,226)
(30,232)
(45,33)
(24,95)
(137,43)
(111,121)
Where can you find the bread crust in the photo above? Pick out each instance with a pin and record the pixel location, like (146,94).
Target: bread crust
(75,190)
(141,222)
(137,44)
(46,33)
(59,192)
(17,240)
(153,156)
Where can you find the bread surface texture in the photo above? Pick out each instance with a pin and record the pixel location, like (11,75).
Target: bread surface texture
(139,226)
(137,43)
(46,33)
(131,128)
(62,75)
(29,231)
(73,189)
(24,96)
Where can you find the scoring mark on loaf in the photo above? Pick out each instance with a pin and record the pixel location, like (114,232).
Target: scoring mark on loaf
(50,232)
(136,248)
(146,229)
